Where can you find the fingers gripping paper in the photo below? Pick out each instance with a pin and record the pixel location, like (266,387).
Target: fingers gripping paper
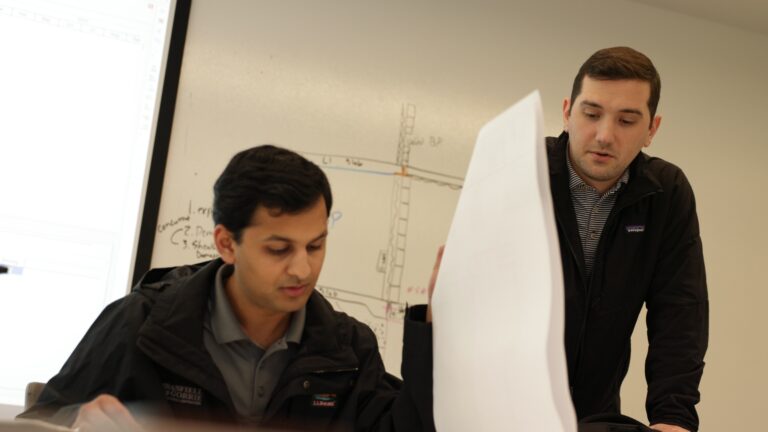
(499,359)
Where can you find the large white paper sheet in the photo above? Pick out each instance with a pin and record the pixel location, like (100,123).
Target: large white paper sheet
(499,359)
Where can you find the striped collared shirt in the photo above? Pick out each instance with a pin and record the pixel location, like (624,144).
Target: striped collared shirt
(592,210)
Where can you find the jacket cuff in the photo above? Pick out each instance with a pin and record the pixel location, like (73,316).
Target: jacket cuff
(416,367)
(417,313)
(417,343)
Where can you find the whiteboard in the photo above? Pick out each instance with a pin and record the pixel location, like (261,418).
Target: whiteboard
(386,97)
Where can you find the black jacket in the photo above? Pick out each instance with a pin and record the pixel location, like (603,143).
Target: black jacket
(148,347)
(649,252)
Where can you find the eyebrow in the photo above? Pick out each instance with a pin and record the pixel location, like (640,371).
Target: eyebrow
(275,237)
(625,110)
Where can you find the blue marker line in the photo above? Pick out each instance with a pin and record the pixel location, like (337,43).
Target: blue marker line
(361,171)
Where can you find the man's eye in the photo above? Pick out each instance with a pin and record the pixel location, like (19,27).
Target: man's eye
(278,251)
(627,122)
(591,115)
(314,247)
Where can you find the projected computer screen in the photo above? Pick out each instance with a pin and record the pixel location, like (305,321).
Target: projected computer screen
(79,93)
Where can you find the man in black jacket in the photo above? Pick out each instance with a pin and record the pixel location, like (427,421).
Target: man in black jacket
(245,339)
(629,236)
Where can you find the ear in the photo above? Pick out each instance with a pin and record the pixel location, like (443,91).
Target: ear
(566,113)
(654,128)
(225,243)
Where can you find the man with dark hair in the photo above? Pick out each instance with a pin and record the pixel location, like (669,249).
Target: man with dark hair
(629,236)
(245,339)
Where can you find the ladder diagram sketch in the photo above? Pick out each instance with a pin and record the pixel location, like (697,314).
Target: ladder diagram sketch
(387,221)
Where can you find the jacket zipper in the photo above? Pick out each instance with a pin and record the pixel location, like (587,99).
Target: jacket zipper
(582,277)
(612,217)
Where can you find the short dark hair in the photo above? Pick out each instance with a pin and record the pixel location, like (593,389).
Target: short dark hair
(619,63)
(268,176)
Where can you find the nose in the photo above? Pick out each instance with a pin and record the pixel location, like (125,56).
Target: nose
(299,266)
(605,133)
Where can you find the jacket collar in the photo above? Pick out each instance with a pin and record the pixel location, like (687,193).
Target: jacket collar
(642,181)
(181,307)
(561,195)
(173,333)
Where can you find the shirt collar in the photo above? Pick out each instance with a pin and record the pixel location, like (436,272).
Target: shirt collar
(576,182)
(224,324)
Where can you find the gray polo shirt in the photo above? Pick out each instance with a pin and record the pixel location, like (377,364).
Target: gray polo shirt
(251,372)
(592,210)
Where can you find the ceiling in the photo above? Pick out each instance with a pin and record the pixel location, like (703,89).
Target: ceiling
(750,15)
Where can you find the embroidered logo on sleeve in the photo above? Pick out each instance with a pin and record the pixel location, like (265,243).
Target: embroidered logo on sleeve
(183,394)
(635,228)
(324,400)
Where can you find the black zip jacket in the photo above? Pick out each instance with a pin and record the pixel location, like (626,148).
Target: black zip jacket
(649,252)
(148,348)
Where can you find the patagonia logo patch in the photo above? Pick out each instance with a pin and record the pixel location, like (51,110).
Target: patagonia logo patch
(183,394)
(324,400)
(635,228)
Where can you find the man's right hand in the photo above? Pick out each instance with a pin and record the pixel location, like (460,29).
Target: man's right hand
(105,413)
